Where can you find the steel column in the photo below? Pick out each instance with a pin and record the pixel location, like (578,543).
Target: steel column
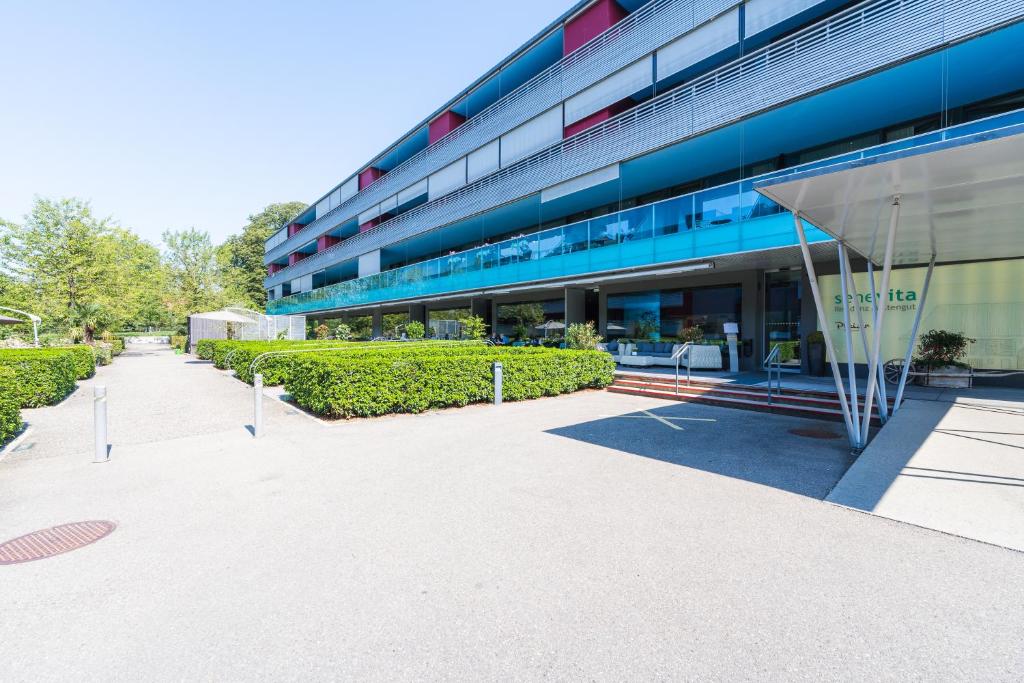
(913,336)
(890,246)
(816,294)
(874,314)
(879,395)
(850,369)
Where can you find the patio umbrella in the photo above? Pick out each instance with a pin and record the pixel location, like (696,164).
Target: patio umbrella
(550,325)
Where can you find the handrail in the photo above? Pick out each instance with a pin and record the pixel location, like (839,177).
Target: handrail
(770,361)
(683,350)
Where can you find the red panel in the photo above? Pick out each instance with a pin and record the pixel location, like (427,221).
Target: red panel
(273,268)
(368,176)
(369,224)
(597,117)
(444,124)
(294,228)
(295,257)
(326,242)
(591,22)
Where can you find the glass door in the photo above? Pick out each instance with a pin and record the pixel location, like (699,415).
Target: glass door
(782,290)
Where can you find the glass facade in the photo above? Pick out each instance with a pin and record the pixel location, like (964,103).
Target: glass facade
(531,319)
(664,314)
(782,291)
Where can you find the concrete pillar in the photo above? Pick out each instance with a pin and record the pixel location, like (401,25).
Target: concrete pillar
(575,306)
(602,311)
(378,323)
(418,313)
(478,306)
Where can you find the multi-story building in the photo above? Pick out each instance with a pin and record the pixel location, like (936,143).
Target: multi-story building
(606,168)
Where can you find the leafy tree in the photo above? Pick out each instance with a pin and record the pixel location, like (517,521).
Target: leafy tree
(89,316)
(241,256)
(474,327)
(524,317)
(192,269)
(415,329)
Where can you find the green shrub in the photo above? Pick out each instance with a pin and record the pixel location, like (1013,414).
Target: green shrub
(85,359)
(178,341)
(582,336)
(204,348)
(415,329)
(10,416)
(375,383)
(116,346)
(103,352)
(42,376)
(942,348)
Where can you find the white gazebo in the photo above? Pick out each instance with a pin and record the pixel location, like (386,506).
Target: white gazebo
(956,199)
(245,324)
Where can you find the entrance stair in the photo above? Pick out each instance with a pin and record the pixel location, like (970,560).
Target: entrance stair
(821,405)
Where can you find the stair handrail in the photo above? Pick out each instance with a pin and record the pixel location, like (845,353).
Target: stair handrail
(772,361)
(677,355)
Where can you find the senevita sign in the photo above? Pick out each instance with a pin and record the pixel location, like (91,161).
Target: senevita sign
(985,301)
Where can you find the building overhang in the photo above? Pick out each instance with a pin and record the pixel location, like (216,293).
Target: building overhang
(960,199)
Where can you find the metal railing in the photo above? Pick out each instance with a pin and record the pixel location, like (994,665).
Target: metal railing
(677,355)
(773,365)
(865,38)
(650,27)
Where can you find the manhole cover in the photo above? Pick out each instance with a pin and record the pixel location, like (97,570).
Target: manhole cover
(53,541)
(812,433)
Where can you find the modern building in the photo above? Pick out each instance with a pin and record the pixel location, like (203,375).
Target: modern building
(607,171)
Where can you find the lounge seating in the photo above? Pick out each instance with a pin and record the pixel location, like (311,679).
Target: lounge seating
(701,356)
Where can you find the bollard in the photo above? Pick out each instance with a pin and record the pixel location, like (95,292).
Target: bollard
(257,406)
(497,383)
(99,402)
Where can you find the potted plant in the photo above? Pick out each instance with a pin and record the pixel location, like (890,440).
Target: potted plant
(940,352)
(816,353)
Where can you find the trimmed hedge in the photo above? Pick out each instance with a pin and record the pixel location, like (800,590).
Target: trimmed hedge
(85,359)
(116,346)
(10,417)
(365,384)
(276,369)
(43,376)
(178,341)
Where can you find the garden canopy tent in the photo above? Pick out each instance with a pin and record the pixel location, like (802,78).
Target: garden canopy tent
(242,323)
(958,198)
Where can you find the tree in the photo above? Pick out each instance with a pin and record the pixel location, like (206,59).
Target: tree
(190,258)
(582,336)
(474,327)
(524,317)
(241,256)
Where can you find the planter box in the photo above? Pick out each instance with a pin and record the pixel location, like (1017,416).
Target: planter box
(949,377)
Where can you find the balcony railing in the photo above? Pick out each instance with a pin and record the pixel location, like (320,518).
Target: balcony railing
(653,25)
(865,38)
(728,219)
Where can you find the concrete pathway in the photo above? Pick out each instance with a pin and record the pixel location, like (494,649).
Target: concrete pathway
(594,536)
(954,465)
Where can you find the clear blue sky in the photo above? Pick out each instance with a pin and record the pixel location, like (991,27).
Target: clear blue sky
(198,112)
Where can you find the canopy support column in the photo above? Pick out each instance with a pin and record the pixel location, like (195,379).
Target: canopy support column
(816,294)
(860,325)
(883,406)
(873,366)
(913,336)
(851,373)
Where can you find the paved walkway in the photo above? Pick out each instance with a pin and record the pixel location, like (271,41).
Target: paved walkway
(595,536)
(955,465)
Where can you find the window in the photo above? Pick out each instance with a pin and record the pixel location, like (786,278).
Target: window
(662,314)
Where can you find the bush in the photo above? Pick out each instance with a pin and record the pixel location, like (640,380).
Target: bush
(415,329)
(178,341)
(204,348)
(10,417)
(582,336)
(85,359)
(940,348)
(42,376)
(103,353)
(117,346)
(374,383)
(473,327)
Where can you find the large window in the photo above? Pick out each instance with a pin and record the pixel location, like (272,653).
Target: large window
(663,314)
(531,319)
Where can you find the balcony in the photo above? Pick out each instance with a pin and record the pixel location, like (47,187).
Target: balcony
(725,220)
(642,32)
(865,39)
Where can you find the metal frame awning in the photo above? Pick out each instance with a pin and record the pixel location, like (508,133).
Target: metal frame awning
(956,199)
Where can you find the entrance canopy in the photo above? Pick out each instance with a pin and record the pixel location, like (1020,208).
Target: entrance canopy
(4,320)
(960,199)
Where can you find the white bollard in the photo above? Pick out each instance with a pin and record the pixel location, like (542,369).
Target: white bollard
(497,383)
(257,406)
(99,402)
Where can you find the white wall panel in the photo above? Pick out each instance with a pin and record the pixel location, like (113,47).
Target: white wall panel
(451,177)
(323,206)
(414,191)
(601,175)
(616,87)
(762,14)
(389,204)
(335,198)
(348,189)
(369,214)
(696,45)
(483,161)
(537,133)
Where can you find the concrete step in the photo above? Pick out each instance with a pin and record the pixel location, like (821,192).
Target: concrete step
(815,408)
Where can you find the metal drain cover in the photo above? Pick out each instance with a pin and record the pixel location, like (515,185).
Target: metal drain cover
(812,433)
(56,540)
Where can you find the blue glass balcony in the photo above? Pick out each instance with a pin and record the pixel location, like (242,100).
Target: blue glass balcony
(724,220)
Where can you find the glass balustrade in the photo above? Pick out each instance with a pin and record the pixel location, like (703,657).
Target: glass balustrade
(727,219)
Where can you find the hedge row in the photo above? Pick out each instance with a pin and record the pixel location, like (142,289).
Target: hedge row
(44,376)
(10,417)
(277,369)
(178,341)
(84,355)
(359,385)
(117,346)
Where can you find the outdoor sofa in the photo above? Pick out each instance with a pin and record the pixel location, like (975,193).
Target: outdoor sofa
(701,356)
